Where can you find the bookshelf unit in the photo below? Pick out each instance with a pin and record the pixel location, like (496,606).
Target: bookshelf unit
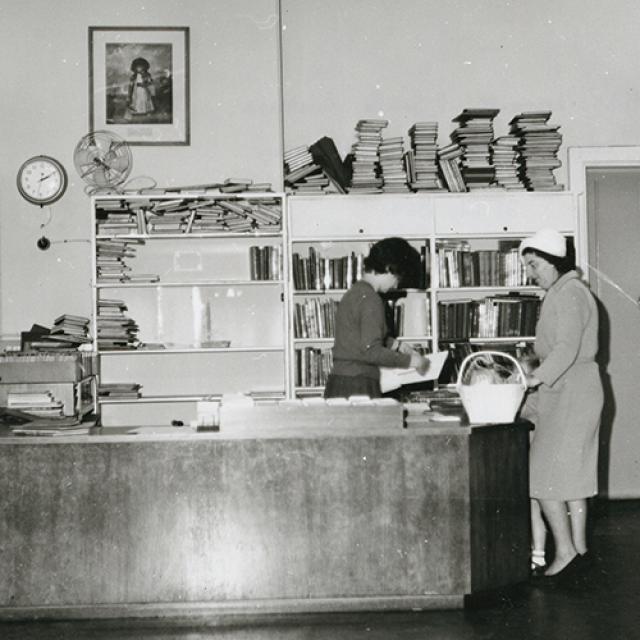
(328,238)
(189,298)
(470,243)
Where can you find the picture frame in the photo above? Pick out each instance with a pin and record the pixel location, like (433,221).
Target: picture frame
(139,83)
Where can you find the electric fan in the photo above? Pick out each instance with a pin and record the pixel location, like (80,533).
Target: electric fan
(103,159)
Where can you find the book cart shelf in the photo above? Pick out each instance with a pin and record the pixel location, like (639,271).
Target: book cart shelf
(188,302)
(472,293)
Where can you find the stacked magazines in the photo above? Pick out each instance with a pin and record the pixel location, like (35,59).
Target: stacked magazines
(22,423)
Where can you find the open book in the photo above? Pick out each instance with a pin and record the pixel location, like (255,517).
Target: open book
(392,378)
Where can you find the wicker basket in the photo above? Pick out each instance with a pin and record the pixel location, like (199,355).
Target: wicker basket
(491,403)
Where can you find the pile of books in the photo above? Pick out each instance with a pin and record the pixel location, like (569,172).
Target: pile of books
(475,134)
(301,171)
(155,216)
(392,167)
(505,156)
(115,329)
(68,332)
(365,154)
(422,157)
(41,405)
(539,143)
(110,261)
(449,161)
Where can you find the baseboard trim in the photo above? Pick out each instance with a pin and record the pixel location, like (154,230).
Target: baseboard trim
(211,611)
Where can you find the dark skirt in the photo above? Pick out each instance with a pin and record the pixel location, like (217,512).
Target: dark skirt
(345,386)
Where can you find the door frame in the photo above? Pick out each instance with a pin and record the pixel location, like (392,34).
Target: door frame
(579,160)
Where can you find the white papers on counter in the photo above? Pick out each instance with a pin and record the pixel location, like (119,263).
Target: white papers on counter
(393,377)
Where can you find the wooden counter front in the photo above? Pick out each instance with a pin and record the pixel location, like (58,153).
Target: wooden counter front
(318,520)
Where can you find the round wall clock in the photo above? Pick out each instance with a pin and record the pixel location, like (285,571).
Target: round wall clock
(42,180)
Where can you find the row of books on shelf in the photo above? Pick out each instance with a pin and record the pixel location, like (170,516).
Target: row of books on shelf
(155,216)
(312,366)
(314,318)
(113,255)
(459,266)
(317,272)
(265,262)
(509,316)
(475,158)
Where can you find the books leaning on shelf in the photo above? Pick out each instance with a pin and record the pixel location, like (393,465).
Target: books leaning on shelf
(204,214)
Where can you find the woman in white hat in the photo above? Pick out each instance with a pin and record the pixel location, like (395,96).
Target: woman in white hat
(568,401)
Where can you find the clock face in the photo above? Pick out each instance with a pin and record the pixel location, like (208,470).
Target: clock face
(42,180)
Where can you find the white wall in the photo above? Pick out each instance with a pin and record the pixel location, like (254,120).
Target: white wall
(413,60)
(235,128)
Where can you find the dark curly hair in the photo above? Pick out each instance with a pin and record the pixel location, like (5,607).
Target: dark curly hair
(393,255)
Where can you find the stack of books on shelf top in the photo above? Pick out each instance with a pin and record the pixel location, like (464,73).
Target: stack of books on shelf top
(301,172)
(475,134)
(421,158)
(392,168)
(365,154)
(539,143)
(115,329)
(505,157)
(449,160)
(155,216)
(229,185)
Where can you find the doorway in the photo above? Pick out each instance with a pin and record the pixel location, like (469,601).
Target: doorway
(607,181)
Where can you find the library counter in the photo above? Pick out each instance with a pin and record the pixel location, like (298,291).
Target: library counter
(173,522)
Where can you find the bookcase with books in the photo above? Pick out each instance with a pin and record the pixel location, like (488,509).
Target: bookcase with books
(189,302)
(472,292)
(328,240)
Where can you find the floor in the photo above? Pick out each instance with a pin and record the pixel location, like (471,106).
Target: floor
(603,603)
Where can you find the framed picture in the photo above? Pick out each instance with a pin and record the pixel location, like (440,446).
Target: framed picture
(139,83)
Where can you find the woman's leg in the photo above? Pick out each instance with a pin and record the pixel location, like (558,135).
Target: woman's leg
(578,516)
(555,513)
(538,536)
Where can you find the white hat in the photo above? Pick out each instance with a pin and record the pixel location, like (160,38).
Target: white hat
(548,240)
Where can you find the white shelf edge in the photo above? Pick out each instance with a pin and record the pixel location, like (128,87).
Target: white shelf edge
(128,352)
(211,283)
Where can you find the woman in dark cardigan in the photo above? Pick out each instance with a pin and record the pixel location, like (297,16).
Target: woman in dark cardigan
(362,342)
